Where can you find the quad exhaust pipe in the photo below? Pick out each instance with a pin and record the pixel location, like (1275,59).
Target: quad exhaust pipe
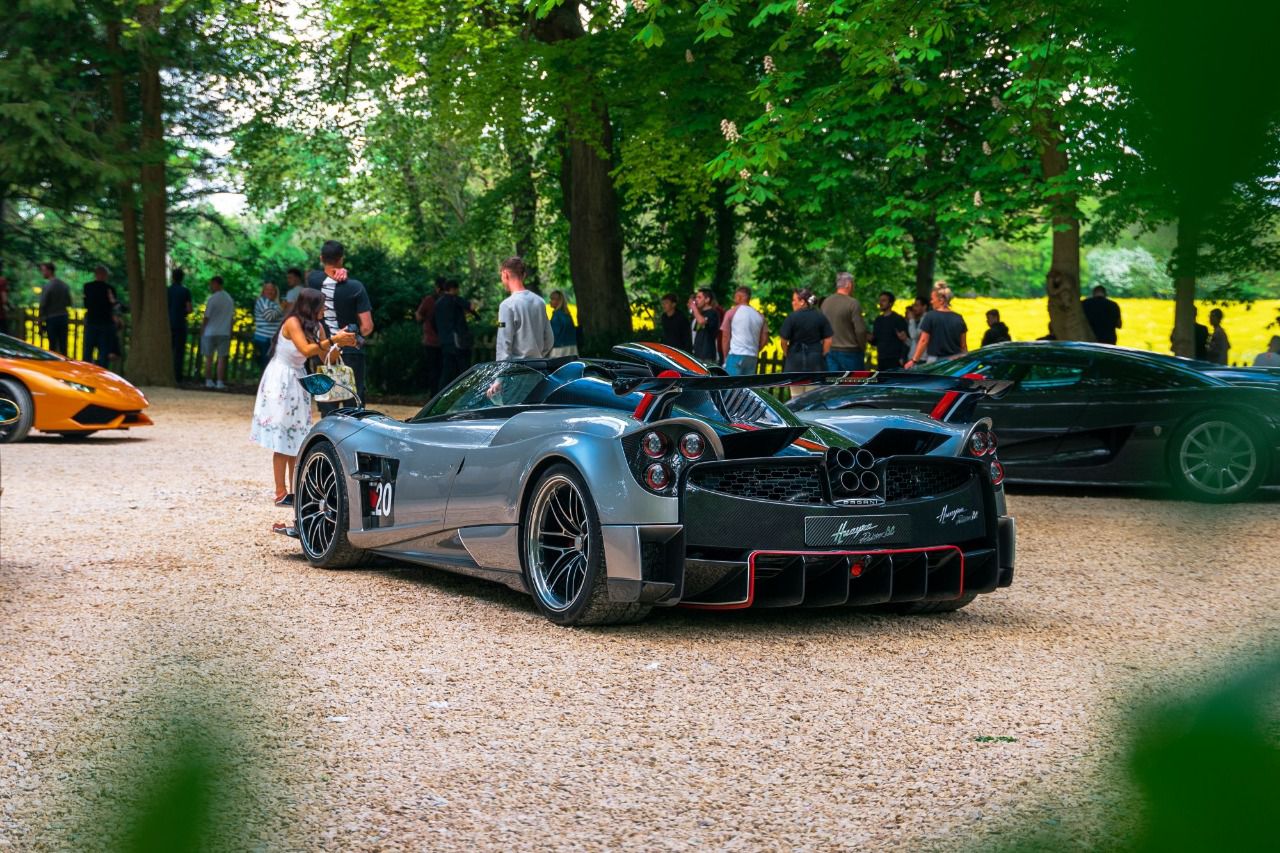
(852,471)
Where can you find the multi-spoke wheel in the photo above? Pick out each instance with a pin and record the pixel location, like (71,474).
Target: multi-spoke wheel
(563,554)
(20,424)
(321,511)
(1215,458)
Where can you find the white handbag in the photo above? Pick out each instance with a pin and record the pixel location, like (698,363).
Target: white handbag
(336,369)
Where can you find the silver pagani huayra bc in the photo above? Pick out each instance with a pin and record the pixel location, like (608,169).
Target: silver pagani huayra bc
(604,488)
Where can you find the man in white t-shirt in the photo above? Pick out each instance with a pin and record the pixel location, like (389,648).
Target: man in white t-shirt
(215,333)
(523,328)
(745,333)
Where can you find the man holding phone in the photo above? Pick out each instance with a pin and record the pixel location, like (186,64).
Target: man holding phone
(346,304)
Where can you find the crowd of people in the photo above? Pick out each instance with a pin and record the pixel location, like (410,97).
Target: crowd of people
(819,334)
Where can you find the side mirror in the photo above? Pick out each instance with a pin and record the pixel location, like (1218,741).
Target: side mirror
(316,383)
(9,412)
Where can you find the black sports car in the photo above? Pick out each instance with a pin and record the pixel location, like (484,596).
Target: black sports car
(1098,414)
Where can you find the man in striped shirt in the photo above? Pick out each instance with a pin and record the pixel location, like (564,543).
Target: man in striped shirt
(346,302)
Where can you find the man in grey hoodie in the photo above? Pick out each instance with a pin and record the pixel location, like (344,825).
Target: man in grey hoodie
(523,328)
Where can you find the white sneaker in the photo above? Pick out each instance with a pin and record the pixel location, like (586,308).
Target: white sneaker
(208,383)
(220,385)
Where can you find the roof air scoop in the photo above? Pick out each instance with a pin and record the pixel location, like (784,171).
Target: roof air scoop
(661,357)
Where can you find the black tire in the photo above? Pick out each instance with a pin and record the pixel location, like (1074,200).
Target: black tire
(568,581)
(1217,457)
(923,608)
(321,511)
(12,389)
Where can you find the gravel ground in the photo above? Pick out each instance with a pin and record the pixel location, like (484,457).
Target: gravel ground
(396,707)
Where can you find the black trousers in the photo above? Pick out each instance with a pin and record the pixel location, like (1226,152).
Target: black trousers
(354,359)
(432,362)
(56,329)
(452,364)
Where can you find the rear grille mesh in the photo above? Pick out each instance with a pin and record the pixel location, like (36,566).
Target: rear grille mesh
(905,481)
(783,483)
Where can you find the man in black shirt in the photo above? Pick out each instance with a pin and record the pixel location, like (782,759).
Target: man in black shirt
(100,341)
(346,303)
(705,325)
(673,324)
(450,320)
(1103,315)
(889,334)
(997,332)
(179,310)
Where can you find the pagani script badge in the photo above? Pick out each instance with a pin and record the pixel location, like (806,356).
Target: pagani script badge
(869,532)
(959,515)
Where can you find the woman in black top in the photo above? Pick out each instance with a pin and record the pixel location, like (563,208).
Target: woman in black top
(806,334)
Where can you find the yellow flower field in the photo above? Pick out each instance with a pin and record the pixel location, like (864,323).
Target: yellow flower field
(1147,322)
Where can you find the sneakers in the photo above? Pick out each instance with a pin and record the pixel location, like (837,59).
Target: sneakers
(208,383)
(220,386)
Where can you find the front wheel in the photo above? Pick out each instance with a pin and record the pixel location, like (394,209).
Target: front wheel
(563,554)
(17,429)
(321,511)
(1216,458)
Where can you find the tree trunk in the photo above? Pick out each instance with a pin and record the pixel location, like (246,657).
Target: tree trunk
(925,239)
(125,194)
(1185,263)
(695,241)
(726,246)
(524,201)
(595,230)
(150,357)
(1062,283)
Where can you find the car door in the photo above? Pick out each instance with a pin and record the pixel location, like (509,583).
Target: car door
(1044,405)
(1131,409)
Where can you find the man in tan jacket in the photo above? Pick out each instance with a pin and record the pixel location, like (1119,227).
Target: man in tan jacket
(849,345)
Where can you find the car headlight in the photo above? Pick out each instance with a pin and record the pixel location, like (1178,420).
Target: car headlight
(77,385)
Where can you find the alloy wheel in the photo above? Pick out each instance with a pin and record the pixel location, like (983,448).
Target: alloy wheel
(1218,458)
(318,505)
(558,543)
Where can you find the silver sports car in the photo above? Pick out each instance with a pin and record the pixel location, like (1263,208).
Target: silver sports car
(604,488)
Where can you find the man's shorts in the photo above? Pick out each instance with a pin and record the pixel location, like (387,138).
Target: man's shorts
(219,345)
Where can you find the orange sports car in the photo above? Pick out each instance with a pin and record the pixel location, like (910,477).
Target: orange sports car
(55,394)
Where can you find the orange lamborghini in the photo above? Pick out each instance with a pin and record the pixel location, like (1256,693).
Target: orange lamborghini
(55,394)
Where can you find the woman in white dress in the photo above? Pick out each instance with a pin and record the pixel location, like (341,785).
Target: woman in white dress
(282,414)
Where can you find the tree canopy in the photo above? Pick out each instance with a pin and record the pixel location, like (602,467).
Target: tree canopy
(631,149)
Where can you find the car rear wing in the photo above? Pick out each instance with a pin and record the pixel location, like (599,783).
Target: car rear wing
(959,395)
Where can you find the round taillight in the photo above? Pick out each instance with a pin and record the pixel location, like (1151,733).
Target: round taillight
(692,446)
(991,442)
(653,444)
(657,476)
(978,443)
(997,473)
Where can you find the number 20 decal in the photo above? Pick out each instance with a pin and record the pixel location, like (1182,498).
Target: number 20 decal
(382,495)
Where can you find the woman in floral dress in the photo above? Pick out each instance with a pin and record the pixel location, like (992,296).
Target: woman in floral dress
(282,414)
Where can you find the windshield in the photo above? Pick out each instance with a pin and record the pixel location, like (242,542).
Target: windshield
(14,348)
(485,386)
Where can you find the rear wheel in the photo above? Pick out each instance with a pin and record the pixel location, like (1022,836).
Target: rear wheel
(321,510)
(15,391)
(1217,458)
(563,554)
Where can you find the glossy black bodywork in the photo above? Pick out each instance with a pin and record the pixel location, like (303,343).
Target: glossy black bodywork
(1090,413)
